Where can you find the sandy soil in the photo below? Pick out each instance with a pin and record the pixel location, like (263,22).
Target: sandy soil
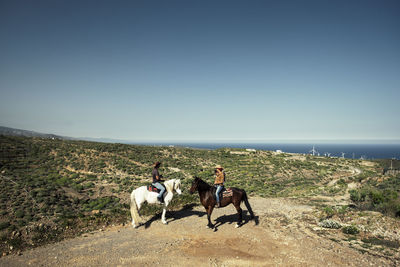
(285,236)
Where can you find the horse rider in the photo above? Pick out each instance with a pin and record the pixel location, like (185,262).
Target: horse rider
(157,179)
(219,182)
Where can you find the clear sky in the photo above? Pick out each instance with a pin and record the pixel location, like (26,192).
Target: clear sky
(202,70)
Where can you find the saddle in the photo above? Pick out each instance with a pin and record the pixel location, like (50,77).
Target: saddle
(152,188)
(225,192)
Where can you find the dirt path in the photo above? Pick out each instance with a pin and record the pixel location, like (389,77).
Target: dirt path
(284,236)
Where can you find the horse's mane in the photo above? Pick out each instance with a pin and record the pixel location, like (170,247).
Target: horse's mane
(203,185)
(169,184)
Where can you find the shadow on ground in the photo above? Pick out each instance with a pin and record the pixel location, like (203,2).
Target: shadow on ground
(185,211)
(233,218)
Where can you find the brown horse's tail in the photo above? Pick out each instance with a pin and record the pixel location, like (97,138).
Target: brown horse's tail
(246,202)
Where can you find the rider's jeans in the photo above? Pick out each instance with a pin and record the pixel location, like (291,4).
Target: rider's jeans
(219,188)
(161,188)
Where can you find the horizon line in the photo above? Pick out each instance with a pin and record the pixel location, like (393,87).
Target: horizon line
(229,140)
(252,141)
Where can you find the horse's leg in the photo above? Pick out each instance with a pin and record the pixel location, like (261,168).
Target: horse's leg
(163,220)
(163,215)
(133,217)
(167,199)
(209,210)
(135,211)
(239,211)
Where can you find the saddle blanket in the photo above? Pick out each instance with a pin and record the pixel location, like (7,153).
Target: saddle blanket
(227,193)
(152,188)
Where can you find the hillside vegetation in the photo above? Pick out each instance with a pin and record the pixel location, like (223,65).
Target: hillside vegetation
(53,189)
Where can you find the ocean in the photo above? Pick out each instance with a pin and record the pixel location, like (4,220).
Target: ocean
(356,151)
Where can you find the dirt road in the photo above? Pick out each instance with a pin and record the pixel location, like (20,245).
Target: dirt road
(285,236)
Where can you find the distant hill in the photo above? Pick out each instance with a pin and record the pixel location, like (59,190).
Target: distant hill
(26,133)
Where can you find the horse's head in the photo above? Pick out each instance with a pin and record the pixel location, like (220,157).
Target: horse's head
(173,185)
(195,185)
(177,186)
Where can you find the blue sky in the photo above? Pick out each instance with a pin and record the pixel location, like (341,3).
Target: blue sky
(202,70)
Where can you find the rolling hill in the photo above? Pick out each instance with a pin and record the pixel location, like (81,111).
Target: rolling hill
(57,188)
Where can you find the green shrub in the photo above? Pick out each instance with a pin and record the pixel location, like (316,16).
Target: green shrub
(19,213)
(382,242)
(16,242)
(357,195)
(4,225)
(376,197)
(63,181)
(329,211)
(350,230)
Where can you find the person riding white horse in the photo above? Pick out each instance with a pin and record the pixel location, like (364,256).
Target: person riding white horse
(141,195)
(157,179)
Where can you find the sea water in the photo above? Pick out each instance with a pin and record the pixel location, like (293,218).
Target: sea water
(356,151)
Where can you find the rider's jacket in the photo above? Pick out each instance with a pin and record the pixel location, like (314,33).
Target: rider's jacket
(220,177)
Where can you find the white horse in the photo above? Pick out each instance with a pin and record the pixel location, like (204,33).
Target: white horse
(141,195)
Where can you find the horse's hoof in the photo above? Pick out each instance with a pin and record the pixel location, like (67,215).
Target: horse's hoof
(165,222)
(237,225)
(136,226)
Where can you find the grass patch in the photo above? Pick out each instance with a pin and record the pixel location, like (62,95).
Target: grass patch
(381,242)
(350,230)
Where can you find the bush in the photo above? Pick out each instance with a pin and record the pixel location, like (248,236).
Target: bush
(330,224)
(4,225)
(329,211)
(19,213)
(357,195)
(376,197)
(350,230)
(382,200)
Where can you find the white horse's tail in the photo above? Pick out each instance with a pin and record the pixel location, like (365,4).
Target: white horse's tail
(134,211)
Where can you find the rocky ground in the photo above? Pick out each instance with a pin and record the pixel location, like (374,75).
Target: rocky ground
(287,233)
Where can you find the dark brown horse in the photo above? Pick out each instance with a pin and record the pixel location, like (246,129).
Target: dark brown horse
(207,198)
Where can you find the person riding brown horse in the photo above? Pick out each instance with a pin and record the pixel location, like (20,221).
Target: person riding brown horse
(219,182)
(207,199)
